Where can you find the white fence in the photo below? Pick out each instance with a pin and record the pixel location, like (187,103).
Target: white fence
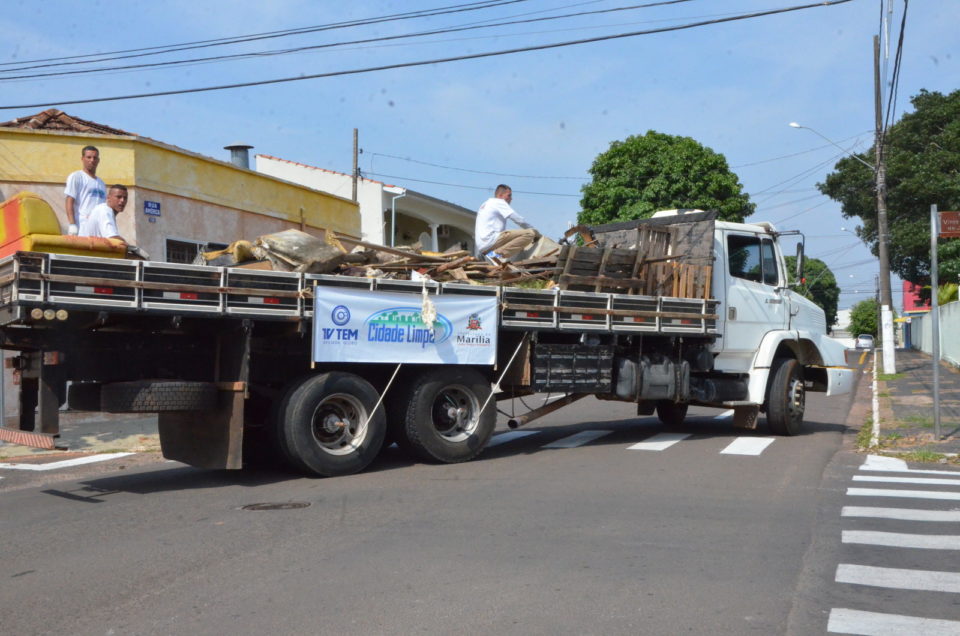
(921,333)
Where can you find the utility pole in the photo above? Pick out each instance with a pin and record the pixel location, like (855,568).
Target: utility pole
(356,167)
(883,235)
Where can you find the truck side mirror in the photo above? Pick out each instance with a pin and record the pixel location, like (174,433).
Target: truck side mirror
(799,263)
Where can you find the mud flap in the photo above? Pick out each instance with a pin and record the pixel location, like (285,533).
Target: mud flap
(206,439)
(746,416)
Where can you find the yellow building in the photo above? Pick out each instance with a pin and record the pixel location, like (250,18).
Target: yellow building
(178,201)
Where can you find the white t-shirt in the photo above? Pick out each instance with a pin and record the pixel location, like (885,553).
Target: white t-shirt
(491,220)
(100,222)
(86,191)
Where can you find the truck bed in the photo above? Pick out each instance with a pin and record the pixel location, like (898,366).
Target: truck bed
(35,286)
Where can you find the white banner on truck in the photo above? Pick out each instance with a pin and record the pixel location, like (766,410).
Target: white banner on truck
(366,326)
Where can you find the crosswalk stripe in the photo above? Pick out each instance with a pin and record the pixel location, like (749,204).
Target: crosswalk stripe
(902,540)
(933,481)
(879,463)
(849,621)
(898,578)
(747,446)
(659,442)
(724,415)
(905,514)
(66,463)
(509,436)
(913,494)
(578,439)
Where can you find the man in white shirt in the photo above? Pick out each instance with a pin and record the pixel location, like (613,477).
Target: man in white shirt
(102,220)
(490,234)
(84,189)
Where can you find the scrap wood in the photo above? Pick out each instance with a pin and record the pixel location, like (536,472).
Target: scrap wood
(390,250)
(463,260)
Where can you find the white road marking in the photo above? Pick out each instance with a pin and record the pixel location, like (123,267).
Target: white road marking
(66,463)
(659,442)
(913,494)
(898,578)
(908,480)
(880,463)
(905,514)
(848,621)
(747,446)
(509,436)
(578,439)
(724,415)
(902,540)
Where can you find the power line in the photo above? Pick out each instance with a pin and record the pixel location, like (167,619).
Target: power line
(460,185)
(239,39)
(457,58)
(495,174)
(316,47)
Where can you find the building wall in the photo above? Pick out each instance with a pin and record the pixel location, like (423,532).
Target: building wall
(207,193)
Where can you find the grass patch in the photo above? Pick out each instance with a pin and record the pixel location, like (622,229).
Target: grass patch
(890,437)
(924,421)
(926,456)
(864,434)
(886,377)
(884,394)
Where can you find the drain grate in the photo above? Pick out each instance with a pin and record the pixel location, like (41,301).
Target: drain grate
(289,505)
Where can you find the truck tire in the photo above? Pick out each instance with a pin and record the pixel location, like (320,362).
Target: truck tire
(154,396)
(786,399)
(83,396)
(671,413)
(443,420)
(327,425)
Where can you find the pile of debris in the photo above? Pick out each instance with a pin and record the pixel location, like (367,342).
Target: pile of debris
(650,257)
(296,251)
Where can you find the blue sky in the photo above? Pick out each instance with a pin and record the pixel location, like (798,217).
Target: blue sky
(540,116)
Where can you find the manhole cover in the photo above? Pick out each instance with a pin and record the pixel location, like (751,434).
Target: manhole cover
(290,505)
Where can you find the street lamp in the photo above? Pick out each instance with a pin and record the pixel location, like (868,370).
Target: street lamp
(846,151)
(886,296)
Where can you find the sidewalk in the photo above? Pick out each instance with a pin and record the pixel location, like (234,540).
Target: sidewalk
(87,432)
(906,406)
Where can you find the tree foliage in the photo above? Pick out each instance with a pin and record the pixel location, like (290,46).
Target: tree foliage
(863,317)
(923,167)
(820,286)
(644,173)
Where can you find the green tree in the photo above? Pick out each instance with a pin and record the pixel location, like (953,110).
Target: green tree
(863,317)
(923,167)
(820,285)
(645,173)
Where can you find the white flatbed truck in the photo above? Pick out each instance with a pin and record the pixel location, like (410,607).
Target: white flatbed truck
(327,369)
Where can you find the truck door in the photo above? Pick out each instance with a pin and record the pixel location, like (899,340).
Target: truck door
(755,303)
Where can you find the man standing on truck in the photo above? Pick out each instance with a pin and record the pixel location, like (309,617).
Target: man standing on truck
(102,219)
(84,189)
(491,237)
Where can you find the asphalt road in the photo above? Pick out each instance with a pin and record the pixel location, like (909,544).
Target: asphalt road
(596,538)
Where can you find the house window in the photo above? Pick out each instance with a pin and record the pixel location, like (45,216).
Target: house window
(186,251)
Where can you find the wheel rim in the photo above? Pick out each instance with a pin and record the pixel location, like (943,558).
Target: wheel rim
(796,400)
(340,424)
(455,413)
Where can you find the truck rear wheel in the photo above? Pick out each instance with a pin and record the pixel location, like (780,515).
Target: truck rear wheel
(671,413)
(786,399)
(443,421)
(327,424)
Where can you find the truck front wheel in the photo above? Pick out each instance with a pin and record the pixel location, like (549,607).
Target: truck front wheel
(328,426)
(786,399)
(443,420)
(671,413)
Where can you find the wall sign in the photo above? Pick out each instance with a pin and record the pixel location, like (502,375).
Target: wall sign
(151,208)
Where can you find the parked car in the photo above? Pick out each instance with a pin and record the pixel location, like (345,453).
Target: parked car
(864,341)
